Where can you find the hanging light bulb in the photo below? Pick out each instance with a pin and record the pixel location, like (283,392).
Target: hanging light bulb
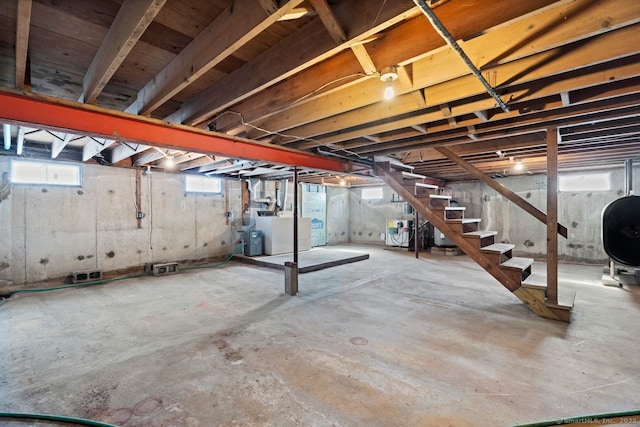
(169,162)
(389,92)
(388,75)
(518,165)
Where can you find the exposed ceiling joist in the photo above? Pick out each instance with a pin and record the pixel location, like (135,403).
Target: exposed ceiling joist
(132,20)
(23,23)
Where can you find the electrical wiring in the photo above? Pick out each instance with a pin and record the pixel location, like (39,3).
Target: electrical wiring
(284,135)
(131,186)
(330,83)
(268,132)
(302,98)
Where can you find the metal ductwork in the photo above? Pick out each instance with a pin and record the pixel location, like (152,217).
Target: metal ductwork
(621,225)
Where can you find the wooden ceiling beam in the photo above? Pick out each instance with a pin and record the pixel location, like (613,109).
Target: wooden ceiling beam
(329,20)
(235,26)
(221,38)
(334,28)
(519,146)
(493,44)
(23,23)
(575,114)
(360,51)
(597,75)
(130,23)
(278,63)
(196,163)
(358,102)
(478,147)
(402,45)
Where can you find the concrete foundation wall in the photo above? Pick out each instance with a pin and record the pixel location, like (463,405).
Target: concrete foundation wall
(579,211)
(338,215)
(50,231)
(369,217)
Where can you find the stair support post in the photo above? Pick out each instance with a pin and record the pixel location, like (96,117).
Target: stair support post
(552,215)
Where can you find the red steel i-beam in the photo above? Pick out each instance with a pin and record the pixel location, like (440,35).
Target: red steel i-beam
(82,119)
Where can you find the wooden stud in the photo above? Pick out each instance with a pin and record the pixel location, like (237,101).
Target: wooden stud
(312,46)
(130,23)
(364,59)
(235,26)
(329,20)
(23,23)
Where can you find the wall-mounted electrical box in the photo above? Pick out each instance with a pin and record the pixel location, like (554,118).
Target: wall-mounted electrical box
(398,232)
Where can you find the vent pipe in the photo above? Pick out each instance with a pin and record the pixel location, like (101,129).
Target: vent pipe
(628,177)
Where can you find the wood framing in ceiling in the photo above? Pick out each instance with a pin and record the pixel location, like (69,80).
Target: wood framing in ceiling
(305,75)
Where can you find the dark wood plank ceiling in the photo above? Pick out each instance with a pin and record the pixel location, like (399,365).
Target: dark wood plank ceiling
(306,75)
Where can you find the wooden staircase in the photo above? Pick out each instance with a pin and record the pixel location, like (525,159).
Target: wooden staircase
(496,258)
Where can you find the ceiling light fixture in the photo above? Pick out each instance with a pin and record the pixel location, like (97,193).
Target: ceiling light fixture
(169,162)
(518,165)
(388,75)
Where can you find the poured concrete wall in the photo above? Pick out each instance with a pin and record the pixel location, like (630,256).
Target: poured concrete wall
(338,214)
(579,211)
(369,217)
(50,231)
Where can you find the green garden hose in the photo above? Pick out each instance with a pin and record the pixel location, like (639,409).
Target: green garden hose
(54,418)
(3,297)
(597,419)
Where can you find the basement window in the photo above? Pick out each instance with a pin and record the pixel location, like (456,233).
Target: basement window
(202,184)
(48,173)
(372,193)
(585,182)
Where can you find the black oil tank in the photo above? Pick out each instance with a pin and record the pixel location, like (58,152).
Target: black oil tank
(621,230)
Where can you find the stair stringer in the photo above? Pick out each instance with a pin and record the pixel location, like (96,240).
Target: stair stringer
(529,297)
(468,248)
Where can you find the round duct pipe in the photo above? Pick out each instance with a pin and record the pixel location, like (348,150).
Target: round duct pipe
(621,230)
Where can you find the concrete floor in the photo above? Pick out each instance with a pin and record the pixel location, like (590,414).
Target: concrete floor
(390,341)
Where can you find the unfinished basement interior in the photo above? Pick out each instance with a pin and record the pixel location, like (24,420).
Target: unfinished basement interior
(319,212)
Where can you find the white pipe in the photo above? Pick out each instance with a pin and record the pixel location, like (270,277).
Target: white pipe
(6,131)
(20,140)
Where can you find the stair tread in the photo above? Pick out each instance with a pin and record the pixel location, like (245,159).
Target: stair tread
(535,280)
(425,185)
(412,175)
(498,248)
(463,220)
(446,208)
(517,263)
(439,196)
(480,234)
